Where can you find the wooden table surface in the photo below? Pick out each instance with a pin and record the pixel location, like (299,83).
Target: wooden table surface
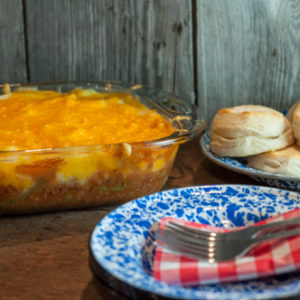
(46,256)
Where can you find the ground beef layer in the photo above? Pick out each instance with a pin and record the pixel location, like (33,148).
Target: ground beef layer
(44,196)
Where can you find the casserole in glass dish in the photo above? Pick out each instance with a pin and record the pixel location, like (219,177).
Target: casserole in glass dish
(76,145)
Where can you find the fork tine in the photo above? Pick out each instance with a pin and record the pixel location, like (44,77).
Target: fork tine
(244,233)
(170,242)
(195,233)
(188,229)
(199,233)
(204,243)
(189,251)
(184,246)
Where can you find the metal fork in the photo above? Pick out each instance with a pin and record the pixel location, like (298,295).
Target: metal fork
(220,246)
(244,233)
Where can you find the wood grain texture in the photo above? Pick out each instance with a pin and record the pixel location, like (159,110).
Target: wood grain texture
(248,52)
(147,42)
(12,45)
(46,256)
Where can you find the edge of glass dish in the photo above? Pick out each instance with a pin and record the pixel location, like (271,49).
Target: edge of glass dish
(178,137)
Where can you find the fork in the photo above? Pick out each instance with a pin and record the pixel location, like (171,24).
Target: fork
(244,233)
(220,246)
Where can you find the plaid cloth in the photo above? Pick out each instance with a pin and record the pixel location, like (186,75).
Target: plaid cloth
(269,258)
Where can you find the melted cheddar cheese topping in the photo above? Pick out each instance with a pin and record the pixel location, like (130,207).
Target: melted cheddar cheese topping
(48,119)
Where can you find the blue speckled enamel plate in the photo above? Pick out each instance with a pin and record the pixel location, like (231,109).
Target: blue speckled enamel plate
(237,165)
(123,248)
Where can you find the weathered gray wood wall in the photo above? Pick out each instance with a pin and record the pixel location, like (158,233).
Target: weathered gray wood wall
(12,42)
(248,51)
(215,52)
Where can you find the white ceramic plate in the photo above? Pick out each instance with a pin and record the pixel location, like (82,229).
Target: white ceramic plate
(122,249)
(238,165)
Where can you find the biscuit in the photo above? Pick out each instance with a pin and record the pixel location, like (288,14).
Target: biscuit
(294,116)
(285,161)
(246,130)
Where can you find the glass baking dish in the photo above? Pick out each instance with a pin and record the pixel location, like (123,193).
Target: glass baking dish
(94,175)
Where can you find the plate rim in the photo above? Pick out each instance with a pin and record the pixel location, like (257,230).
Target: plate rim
(208,295)
(249,171)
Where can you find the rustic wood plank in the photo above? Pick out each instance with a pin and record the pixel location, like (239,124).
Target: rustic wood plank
(49,252)
(12,45)
(147,42)
(248,52)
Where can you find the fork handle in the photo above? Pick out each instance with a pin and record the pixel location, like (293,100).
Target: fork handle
(278,235)
(268,237)
(275,225)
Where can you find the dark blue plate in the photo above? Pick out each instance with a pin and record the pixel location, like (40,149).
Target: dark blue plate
(238,166)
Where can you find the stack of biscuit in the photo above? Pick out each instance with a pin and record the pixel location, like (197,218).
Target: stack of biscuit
(262,135)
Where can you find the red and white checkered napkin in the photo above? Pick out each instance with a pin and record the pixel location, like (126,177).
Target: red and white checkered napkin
(267,259)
